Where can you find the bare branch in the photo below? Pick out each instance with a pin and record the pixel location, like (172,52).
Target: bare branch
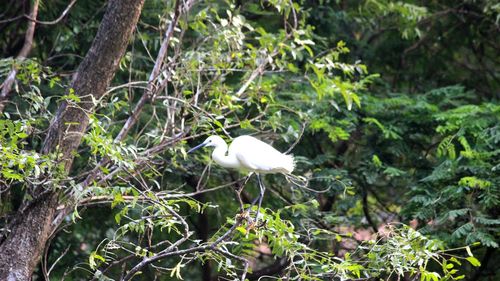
(63,14)
(155,73)
(12,19)
(298,138)
(233,256)
(169,251)
(258,71)
(150,88)
(128,198)
(28,44)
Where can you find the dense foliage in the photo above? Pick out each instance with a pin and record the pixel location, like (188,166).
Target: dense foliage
(390,108)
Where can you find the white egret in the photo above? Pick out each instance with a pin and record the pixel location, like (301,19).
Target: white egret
(249,154)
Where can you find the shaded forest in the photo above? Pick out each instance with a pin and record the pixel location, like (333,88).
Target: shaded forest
(390,109)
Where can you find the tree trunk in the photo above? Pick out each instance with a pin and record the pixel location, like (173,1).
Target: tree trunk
(32,225)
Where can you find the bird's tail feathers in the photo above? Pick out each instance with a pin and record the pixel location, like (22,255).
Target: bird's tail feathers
(288,163)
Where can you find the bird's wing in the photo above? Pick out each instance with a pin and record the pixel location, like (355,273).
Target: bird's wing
(256,155)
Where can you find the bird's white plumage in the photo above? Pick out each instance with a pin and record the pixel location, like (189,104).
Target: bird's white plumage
(249,154)
(256,155)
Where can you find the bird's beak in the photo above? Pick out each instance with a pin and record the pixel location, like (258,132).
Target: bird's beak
(197,147)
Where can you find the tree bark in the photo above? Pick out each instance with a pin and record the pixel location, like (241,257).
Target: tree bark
(92,78)
(31,227)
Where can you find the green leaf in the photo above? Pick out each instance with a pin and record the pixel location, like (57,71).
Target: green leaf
(376,161)
(117,199)
(242,230)
(92,259)
(475,262)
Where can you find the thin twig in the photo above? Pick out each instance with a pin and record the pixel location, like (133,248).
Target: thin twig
(148,260)
(128,198)
(155,73)
(298,138)
(233,256)
(56,261)
(150,88)
(63,14)
(28,45)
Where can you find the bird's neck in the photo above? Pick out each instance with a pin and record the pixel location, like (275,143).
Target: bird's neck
(226,161)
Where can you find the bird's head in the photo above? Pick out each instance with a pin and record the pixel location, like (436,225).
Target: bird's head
(210,141)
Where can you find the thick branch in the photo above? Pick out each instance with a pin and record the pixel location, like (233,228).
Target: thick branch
(92,78)
(151,87)
(31,227)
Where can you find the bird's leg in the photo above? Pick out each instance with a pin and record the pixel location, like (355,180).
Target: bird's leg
(261,195)
(258,198)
